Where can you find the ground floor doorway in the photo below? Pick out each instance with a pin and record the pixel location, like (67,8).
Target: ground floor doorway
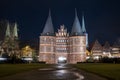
(62,59)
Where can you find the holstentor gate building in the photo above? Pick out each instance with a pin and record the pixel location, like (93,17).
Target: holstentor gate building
(62,45)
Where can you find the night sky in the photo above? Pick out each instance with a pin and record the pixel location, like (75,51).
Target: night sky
(102,17)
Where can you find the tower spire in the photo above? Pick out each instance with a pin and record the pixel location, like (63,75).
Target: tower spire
(83,24)
(49,13)
(15,30)
(8,30)
(76,29)
(48,29)
(76,12)
(84,30)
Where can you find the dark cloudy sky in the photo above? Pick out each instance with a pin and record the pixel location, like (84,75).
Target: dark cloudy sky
(102,17)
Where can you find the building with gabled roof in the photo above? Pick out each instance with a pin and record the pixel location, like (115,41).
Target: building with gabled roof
(115,52)
(106,50)
(97,50)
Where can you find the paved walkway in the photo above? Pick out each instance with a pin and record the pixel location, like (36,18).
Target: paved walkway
(54,72)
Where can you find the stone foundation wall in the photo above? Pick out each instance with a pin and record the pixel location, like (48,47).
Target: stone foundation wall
(53,58)
(74,58)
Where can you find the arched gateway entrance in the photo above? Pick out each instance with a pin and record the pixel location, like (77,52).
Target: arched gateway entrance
(62,59)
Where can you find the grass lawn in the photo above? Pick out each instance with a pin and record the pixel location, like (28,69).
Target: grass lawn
(111,71)
(10,69)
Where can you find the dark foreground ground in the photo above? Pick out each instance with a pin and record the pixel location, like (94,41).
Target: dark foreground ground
(54,72)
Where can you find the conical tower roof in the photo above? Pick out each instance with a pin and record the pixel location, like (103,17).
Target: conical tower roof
(7,34)
(83,24)
(76,29)
(48,28)
(15,30)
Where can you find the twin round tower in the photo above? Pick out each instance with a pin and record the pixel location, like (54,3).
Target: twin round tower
(63,46)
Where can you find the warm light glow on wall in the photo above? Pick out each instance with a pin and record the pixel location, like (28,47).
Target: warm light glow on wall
(61,58)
